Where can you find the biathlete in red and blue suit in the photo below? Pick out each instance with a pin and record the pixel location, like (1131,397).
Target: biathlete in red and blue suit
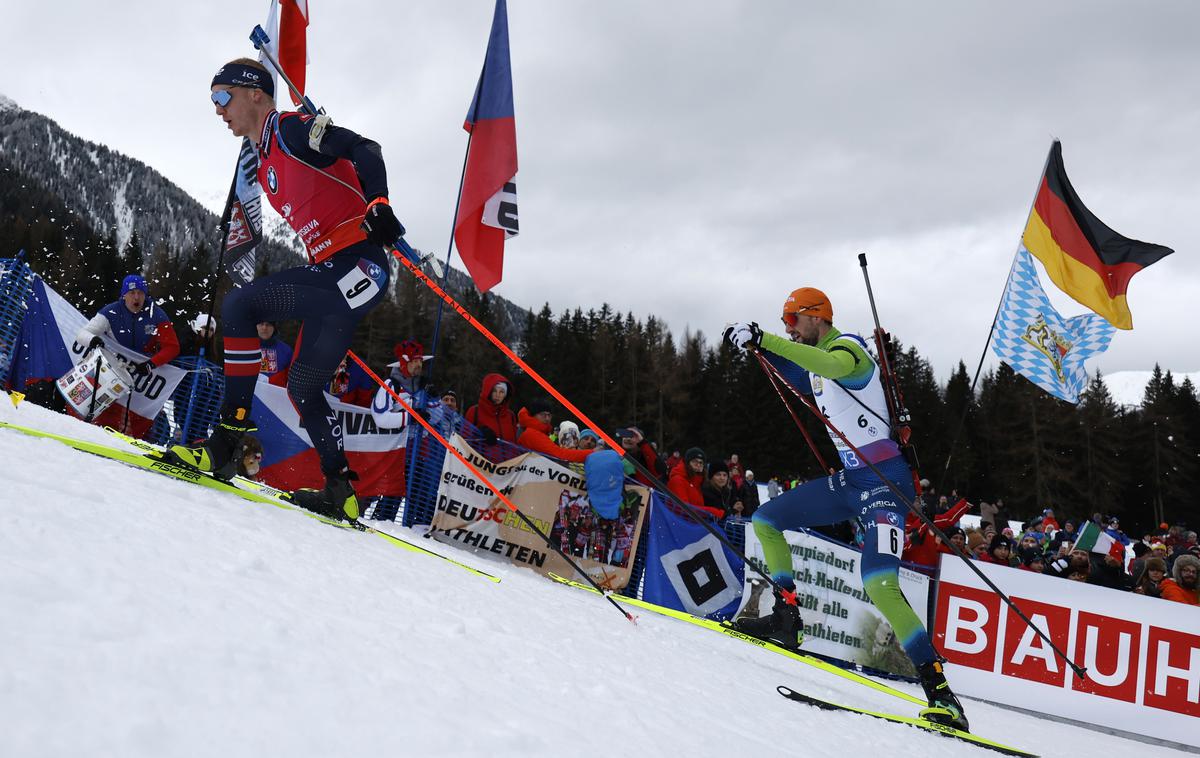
(330,184)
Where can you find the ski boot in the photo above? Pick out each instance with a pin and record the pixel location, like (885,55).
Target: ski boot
(337,501)
(782,626)
(219,455)
(943,707)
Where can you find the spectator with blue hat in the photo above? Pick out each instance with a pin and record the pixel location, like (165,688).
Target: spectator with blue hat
(136,323)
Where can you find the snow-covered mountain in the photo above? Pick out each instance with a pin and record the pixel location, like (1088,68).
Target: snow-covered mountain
(143,616)
(110,191)
(1129,387)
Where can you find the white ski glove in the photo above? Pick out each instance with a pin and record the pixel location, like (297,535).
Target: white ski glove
(744,336)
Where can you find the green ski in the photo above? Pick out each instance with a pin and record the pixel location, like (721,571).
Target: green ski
(717,626)
(919,723)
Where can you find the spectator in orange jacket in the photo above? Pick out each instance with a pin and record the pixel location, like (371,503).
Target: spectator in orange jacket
(535,421)
(687,477)
(493,415)
(1182,586)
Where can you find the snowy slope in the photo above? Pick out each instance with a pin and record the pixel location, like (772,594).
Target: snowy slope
(140,616)
(1129,387)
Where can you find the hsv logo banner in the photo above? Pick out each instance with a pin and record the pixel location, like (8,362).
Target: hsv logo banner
(554,498)
(1142,654)
(687,567)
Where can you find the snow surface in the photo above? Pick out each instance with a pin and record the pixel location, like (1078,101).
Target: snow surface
(8,104)
(141,616)
(1129,387)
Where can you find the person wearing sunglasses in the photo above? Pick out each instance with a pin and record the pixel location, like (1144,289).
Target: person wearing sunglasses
(843,378)
(330,185)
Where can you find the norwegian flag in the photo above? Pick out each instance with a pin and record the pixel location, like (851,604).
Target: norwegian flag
(487,209)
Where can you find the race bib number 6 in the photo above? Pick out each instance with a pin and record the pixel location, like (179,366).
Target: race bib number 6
(891,539)
(362,283)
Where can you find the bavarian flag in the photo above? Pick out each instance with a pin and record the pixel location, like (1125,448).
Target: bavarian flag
(1087,260)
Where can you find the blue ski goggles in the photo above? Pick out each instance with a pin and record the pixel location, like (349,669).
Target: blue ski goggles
(222,97)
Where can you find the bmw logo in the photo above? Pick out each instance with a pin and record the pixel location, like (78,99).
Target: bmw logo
(893,518)
(374,271)
(272,180)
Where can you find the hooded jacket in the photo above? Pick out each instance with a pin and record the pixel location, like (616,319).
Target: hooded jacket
(685,485)
(536,437)
(499,418)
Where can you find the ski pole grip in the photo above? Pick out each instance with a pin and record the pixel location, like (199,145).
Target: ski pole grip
(862,259)
(402,245)
(259,37)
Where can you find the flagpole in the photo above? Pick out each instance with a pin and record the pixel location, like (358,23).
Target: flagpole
(437,324)
(962,420)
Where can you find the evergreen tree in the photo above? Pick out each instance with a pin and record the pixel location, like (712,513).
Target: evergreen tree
(1104,472)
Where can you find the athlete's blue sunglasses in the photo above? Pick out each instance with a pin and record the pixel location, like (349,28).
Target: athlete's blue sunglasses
(222,97)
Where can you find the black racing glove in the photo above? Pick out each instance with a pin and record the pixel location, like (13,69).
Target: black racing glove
(381,225)
(142,369)
(96,342)
(489,436)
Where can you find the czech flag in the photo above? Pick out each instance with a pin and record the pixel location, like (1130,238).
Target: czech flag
(1086,259)
(487,208)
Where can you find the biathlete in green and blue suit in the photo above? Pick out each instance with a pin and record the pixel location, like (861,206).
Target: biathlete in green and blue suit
(844,381)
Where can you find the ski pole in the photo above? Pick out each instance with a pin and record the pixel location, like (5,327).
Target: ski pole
(799,425)
(1079,671)
(891,390)
(412,413)
(658,484)
(95,389)
(412,261)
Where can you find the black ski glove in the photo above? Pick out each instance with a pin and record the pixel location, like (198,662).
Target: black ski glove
(381,225)
(96,342)
(489,436)
(143,368)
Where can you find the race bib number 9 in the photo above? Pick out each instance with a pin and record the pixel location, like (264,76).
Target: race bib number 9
(362,283)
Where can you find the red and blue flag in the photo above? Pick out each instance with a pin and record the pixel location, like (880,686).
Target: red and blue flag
(487,209)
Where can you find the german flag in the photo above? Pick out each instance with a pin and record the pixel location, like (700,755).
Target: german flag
(1087,260)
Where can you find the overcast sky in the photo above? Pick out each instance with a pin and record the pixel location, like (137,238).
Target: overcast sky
(698,161)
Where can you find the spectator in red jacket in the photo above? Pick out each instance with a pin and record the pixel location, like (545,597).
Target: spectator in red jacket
(687,477)
(999,551)
(921,546)
(736,470)
(493,415)
(535,419)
